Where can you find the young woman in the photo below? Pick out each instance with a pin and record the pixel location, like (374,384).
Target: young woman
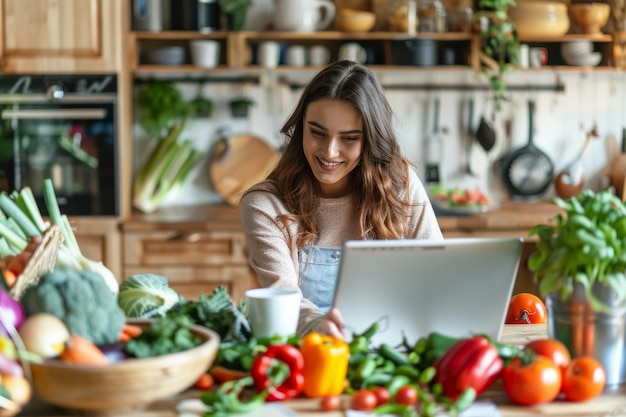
(341,177)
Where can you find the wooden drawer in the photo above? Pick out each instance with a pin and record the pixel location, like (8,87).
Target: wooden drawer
(193,262)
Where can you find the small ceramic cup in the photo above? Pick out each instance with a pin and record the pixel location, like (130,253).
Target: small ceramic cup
(269,54)
(353,51)
(319,55)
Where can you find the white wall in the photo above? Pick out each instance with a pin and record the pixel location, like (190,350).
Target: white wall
(562,120)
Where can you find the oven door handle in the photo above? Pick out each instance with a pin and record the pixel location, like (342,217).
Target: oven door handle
(91,114)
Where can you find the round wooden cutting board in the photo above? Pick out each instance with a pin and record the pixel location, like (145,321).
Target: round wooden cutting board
(238,163)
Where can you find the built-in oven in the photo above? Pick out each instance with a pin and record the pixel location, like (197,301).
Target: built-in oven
(61,127)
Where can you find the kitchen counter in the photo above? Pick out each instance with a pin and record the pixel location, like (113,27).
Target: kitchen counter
(510,216)
(612,402)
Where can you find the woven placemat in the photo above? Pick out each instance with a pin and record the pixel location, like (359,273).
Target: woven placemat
(43,260)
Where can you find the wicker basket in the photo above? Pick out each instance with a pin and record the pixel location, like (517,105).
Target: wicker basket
(43,260)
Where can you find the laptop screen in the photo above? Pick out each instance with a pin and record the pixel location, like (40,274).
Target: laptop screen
(458,287)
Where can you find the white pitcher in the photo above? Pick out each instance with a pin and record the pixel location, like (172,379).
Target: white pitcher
(303,15)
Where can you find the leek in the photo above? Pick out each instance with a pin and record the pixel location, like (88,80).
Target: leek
(22,219)
(165,170)
(74,258)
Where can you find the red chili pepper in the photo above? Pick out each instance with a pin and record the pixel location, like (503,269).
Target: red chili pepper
(268,372)
(470,363)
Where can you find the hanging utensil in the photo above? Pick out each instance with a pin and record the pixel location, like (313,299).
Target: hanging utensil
(571,180)
(528,171)
(470,139)
(433,146)
(486,134)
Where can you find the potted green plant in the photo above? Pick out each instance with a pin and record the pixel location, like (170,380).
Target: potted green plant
(239,106)
(202,106)
(500,44)
(580,265)
(235,12)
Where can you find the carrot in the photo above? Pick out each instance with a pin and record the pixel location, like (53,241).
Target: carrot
(9,277)
(222,374)
(81,351)
(129,331)
(205,382)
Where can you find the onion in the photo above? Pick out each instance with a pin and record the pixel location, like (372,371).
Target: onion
(44,334)
(11,313)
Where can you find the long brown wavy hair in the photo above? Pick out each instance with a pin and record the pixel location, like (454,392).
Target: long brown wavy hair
(381,175)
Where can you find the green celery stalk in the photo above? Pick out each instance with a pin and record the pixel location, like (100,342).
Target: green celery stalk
(12,210)
(12,224)
(5,248)
(12,238)
(29,205)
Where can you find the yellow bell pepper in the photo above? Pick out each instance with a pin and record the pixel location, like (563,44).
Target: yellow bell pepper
(325,364)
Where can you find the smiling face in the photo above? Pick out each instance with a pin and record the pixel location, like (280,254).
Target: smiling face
(333,142)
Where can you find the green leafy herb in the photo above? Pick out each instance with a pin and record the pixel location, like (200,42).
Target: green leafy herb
(587,245)
(165,335)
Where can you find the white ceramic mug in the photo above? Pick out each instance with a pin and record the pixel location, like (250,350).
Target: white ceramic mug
(269,54)
(273,311)
(319,55)
(205,53)
(303,15)
(296,56)
(353,51)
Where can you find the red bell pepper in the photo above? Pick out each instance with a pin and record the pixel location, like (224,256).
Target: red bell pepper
(470,363)
(279,370)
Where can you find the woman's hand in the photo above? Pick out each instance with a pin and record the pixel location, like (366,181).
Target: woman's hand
(331,324)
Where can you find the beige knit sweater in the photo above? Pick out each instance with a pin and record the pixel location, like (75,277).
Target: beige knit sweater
(275,259)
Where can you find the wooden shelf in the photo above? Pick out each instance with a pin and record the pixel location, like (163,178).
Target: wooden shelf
(238,48)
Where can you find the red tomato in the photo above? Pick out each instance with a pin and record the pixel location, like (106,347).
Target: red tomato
(363,400)
(526,308)
(382,395)
(552,349)
(406,395)
(583,379)
(205,382)
(537,382)
(330,403)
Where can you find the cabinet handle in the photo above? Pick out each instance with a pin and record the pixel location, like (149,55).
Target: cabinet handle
(187,237)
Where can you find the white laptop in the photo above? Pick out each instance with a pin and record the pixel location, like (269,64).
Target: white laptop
(459,287)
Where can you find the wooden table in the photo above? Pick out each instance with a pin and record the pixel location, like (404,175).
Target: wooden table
(610,404)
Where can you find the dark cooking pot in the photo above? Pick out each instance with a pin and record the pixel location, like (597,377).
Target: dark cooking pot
(417,52)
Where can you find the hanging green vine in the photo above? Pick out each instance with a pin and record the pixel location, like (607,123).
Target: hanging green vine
(500,44)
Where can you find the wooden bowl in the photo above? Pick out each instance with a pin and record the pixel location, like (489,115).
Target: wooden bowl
(544,19)
(350,20)
(127,384)
(590,16)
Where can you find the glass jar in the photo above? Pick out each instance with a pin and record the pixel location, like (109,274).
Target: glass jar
(402,16)
(431,16)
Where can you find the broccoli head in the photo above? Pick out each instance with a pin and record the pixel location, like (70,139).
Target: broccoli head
(82,300)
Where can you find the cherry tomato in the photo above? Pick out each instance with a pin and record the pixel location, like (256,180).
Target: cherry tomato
(406,395)
(583,379)
(363,400)
(382,395)
(205,382)
(330,403)
(537,381)
(552,349)
(526,308)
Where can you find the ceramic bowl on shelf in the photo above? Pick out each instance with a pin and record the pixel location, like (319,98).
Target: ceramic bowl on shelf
(576,48)
(590,16)
(167,55)
(350,20)
(126,384)
(590,59)
(540,19)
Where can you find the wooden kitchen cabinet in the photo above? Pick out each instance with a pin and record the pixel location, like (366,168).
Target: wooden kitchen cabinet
(81,36)
(194,261)
(99,239)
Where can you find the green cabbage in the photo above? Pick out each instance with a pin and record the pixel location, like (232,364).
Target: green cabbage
(146,296)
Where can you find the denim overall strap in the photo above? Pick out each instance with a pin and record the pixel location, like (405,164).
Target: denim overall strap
(319,276)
